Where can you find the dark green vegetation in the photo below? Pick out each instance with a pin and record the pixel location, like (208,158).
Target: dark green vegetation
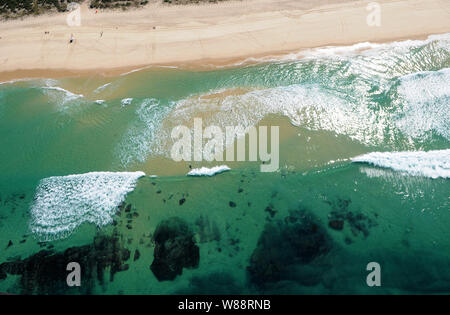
(116,4)
(19,8)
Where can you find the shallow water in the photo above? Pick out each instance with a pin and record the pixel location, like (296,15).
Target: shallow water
(310,227)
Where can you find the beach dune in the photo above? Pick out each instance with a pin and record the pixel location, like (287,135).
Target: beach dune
(215,34)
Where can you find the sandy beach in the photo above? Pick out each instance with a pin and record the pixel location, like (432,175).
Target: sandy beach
(109,42)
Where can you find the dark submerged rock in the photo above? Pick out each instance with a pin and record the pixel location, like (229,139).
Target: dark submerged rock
(45,272)
(175,249)
(358,222)
(232,204)
(269,209)
(287,246)
(336,224)
(234,241)
(137,254)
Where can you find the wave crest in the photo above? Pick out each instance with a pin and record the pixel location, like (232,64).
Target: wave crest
(433,164)
(62,203)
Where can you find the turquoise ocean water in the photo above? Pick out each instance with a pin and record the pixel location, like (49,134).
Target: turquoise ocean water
(78,154)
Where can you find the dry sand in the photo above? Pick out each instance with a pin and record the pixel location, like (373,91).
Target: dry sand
(112,41)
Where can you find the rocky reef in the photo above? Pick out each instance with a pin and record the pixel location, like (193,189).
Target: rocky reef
(175,249)
(288,246)
(341,215)
(45,272)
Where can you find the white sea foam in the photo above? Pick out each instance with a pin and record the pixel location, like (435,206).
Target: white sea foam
(426,103)
(433,164)
(16,80)
(126,101)
(205,171)
(61,97)
(363,48)
(137,142)
(69,96)
(378,173)
(100,102)
(62,203)
(307,105)
(372,48)
(134,70)
(101,88)
(147,67)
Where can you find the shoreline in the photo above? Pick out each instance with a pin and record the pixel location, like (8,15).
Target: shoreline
(196,65)
(209,43)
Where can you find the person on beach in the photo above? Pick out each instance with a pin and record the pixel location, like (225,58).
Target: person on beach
(71,39)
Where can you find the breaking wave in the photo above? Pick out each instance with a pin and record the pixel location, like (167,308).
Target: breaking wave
(62,203)
(61,97)
(67,95)
(205,171)
(126,101)
(363,48)
(433,164)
